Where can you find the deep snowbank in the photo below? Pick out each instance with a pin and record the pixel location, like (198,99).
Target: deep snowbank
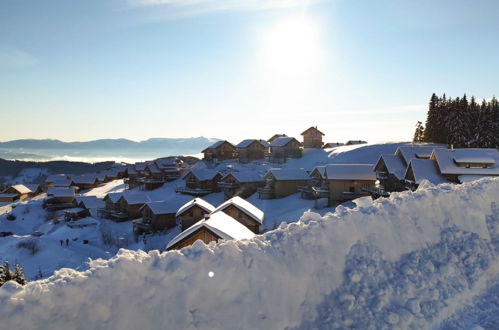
(410,261)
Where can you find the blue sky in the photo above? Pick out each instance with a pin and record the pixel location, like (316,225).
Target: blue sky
(358,69)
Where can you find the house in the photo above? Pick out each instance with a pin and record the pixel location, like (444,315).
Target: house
(59,180)
(130,205)
(390,172)
(333,145)
(36,189)
(20,190)
(349,181)
(153,177)
(244,212)
(172,167)
(422,169)
(252,149)
(353,142)
(220,150)
(90,204)
(59,198)
(8,198)
(133,176)
(283,148)
(456,164)
(86,181)
(156,216)
(200,182)
(417,151)
(275,136)
(280,183)
(192,212)
(317,184)
(112,206)
(312,138)
(217,226)
(243,184)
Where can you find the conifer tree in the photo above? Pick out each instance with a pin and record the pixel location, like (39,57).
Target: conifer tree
(419,133)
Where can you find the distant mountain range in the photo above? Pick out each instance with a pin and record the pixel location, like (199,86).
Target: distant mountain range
(110,148)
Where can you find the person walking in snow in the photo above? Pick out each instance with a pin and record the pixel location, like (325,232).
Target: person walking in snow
(67,241)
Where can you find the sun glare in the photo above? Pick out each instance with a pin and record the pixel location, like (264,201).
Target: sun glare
(291,48)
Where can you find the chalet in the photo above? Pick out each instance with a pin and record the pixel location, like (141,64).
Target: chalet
(112,205)
(330,145)
(59,180)
(252,149)
(130,205)
(220,150)
(317,184)
(349,181)
(156,216)
(20,190)
(87,181)
(456,164)
(280,183)
(200,182)
(172,167)
(283,148)
(132,179)
(153,177)
(275,136)
(102,177)
(422,169)
(409,152)
(90,204)
(354,142)
(312,138)
(244,212)
(242,184)
(193,211)
(8,198)
(59,198)
(217,226)
(390,172)
(140,167)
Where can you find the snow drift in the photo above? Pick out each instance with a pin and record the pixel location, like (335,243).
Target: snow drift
(410,261)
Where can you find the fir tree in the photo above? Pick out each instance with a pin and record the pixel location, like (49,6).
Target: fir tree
(419,133)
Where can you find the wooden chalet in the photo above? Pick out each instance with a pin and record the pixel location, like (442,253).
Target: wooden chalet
(416,151)
(312,138)
(252,149)
(280,183)
(422,169)
(156,216)
(152,177)
(244,212)
(349,181)
(20,190)
(132,179)
(59,198)
(59,180)
(390,172)
(86,181)
(8,198)
(330,145)
(130,205)
(243,184)
(193,211)
(172,167)
(283,148)
(220,150)
(354,142)
(91,204)
(200,182)
(216,227)
(35,188)
(317,184)
(276,136)
(111,205)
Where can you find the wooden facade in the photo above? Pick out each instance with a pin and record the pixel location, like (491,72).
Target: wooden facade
(203,234)
(243,218)
(219,151)
(312,138)
(280,187)
(153,221)
(233,185)
(345,190)
(250,150)
(283,148)
(387,179)
(191,216)
(21,191)
(203,183)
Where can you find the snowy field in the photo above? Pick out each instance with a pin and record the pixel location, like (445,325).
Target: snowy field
(419,260)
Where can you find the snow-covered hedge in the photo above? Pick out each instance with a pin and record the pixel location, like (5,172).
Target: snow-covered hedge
(410,261)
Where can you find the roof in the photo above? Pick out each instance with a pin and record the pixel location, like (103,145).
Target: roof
(168,162)
(60,192)
(140,166)
(414,151)
(350,172)
(135,198)
(114,197)
(62,182)
(8,195)
(85,179)
(207,207)
(311,128)
(203,174)
(244,206)
(221,224)
(288,174)
(394,165)
(216,145)
(321,170)
(32,186)
(245,176)
(424,169)
(468,178)
(333,144)
(161,207)
(90,202)
(282,141)
(21,189)
(350,142)
(246,143)
(53,177)
(153,168)
(131,169)
(448,160)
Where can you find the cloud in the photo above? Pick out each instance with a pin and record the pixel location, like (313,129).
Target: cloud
(13,58)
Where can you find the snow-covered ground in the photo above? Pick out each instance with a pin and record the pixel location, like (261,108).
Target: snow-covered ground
(412,261)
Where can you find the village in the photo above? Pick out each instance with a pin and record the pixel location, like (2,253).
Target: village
(251,168)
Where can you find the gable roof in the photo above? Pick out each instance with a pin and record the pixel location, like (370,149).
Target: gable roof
(60,192)
(153,168)
(32,186)
(90,202)
(85,179)
(204,205)
(414,151)
(114,197)
(244,206)
(217,145)
(161,207)
(221,224)
(287,174)
(246,143)
(140,166)
(135,198)
(275,136)
(350,172)
(321,170)
(424,169)
(394,165)
(203,174)
(21,189)
(314,128)
(62,182)
(448,160)
(245,176)
(131,169)
(282,141)
(333,144)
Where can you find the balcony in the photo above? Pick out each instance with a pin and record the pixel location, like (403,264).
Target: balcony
(381,175)
(141,226)
(193,191)
(320,192)
(229,185)
(266,192)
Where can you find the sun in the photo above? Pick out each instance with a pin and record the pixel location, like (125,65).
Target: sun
(291,47)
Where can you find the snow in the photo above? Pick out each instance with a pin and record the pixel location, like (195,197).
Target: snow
(114,188)
(412,261)
(90,202)
(394,165)
(468,178)
(425,169)
(204,174)
(288,174)
(207,207)
(412,151)
(281,141)
(133,197)
(350,172)
(246,143)
(245,176)
(60,192)
(243,205)
(162,207)
(445,159)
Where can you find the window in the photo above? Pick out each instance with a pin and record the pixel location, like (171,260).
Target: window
(351,189)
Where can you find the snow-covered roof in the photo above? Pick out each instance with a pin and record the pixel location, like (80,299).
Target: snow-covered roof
(8,195)
(60,192)
(352,142)
(287,174)
(469,178)
(161,207)
(207,207)
(217,145)
(21,189)
(131,169)
(245,176)
(55,177)
(414,151)
(204,174)
(333,144)
(140,166)
(114,197)
(32,186)
(85,179)
(282,141)
(153,168)
(167,162)
(221,224)
(424,169)
(311,128)
(244,206)
(62,182)
(446,160)
(321,170)
(134,198)
(350,172)
(90,202)
(394,165)
(246,143)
